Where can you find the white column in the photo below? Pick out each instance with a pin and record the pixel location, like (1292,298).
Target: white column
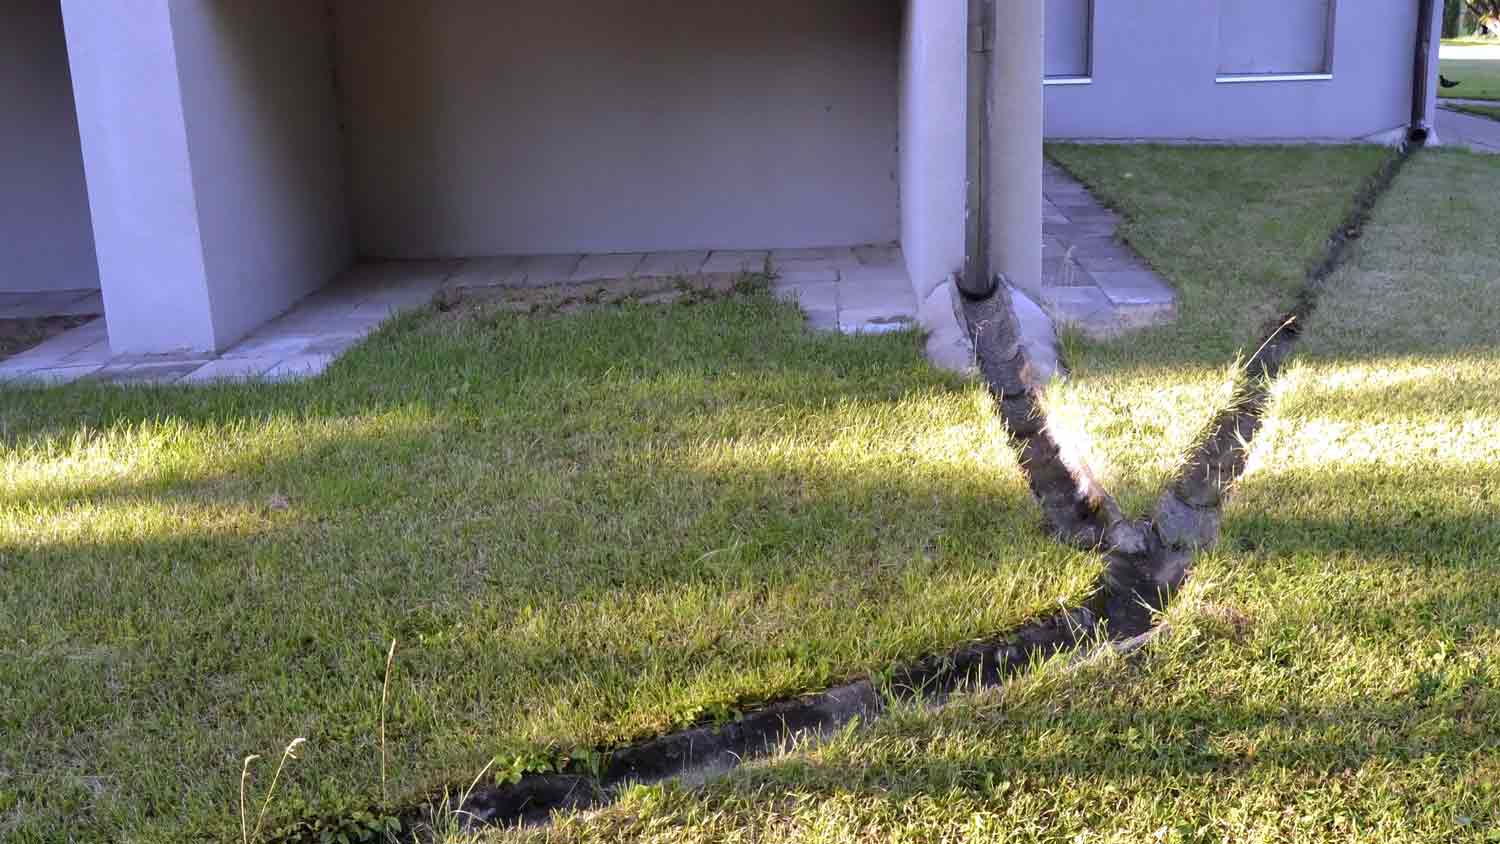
(140,179)
(1016,143)
(212,151)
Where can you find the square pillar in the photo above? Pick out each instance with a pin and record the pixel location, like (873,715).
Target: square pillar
(213,158)
(1015,170)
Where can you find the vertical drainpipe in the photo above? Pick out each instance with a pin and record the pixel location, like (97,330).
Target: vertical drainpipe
(1422,103)
(977,280)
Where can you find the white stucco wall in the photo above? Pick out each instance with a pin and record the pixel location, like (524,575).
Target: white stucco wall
(598,125)
(933,164)
(210,142)
(1156,62)
(46,240)
(262,130)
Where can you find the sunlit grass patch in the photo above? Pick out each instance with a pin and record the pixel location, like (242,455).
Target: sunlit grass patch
(1234,230)
(1330,673)
(582,530)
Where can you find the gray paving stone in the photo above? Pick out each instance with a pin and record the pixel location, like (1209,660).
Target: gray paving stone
(544,270)
(334,345)
(826,319)
(55,351)
(741,261)
(810,297)
(272,344)
(299,368)
(1064,272)
(1119,260)
(497,271)
(875,322)
(1093,218)
(56,376)
(229,369)
(609,266)
(879,255)
(661,264)
(377,313)
(1099,246)
(1135,288)
(1077,304)
(1078,231)
(875,281)
(823,258)
(150,373)
(807,276)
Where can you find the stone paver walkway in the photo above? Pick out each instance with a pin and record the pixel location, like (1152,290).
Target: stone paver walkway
(1480,134)
(863,289)
(1089,278)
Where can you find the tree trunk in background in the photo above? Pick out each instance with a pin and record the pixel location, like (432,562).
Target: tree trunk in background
(1453,13)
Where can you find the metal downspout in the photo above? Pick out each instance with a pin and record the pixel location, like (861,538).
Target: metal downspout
(976,281)
(1421,126)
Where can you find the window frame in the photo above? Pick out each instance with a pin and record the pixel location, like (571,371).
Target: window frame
(1324,75)
(1088,63)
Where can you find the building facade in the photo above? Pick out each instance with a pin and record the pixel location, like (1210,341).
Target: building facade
(1234,70)
(208,163)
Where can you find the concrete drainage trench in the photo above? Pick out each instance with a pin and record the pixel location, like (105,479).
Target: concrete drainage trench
(1147,560)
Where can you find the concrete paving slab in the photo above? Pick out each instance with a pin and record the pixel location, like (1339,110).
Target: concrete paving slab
(810,297)
(299,368)
(737,261)
(614,266)
(544,270)
(229,369)
(1135,288)
(879,255)
(497,271)
(667,264)
(823,258)
(54,377)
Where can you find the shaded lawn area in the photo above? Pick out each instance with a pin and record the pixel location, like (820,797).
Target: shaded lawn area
(582,530)
(1332,673)
(1235,231)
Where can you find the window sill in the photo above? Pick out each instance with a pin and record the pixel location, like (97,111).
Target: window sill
(1274,77)
(1068,80)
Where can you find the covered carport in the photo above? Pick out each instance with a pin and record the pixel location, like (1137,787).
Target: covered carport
(242,156)
(46,239)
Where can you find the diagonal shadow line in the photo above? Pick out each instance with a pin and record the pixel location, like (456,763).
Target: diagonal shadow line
(1148,559)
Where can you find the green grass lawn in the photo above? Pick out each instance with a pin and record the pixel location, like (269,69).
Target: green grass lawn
(582,530)
(1234,230)
(1480,78)
(1333,671)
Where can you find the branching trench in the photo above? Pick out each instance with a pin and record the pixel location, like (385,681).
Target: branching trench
(1147,560)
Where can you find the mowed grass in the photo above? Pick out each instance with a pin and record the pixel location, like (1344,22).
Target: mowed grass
(581,531)
(1234,230)
(1332,674)
(1476,64)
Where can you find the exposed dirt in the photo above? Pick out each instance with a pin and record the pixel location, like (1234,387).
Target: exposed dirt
(18,335)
